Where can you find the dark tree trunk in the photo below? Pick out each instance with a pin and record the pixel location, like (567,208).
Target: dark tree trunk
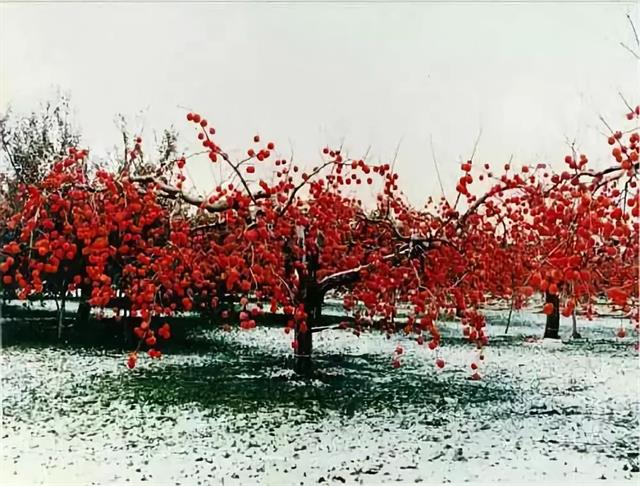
(552,328)
(574,326)
(84,308)
(506,329)
(3,303)
(128,323)
(313,307)
(61,310)
(312,296)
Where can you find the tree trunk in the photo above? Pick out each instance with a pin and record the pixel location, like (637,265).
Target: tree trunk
(574,326)
(313,300)
(312,296)
(61,310)
(128,323)
(84,308)
(552,328)
(506,329)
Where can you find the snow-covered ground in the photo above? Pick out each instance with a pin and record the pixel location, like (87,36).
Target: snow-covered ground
(543,412)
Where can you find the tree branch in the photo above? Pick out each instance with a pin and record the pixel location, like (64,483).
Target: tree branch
(173,192)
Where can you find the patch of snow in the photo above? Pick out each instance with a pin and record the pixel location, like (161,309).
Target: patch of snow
(574,419)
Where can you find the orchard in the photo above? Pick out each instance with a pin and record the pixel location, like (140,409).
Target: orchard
(279,238)
(319,243)
(315,296)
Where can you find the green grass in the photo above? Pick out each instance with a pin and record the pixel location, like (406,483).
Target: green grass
(243,379)
(225,375)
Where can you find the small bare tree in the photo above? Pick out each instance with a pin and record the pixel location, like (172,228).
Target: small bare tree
(135,161)
(31,143)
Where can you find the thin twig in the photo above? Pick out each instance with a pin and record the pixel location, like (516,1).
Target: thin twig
(435,163)
(625,101)
(475,145)
(395,155)
(633,28)
(635,54)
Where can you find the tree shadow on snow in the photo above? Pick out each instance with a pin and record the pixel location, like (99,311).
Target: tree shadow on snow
(249,381)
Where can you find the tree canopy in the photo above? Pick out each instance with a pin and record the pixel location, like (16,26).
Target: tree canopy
(276,236)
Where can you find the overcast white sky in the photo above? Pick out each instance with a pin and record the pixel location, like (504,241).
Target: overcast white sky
(527,74)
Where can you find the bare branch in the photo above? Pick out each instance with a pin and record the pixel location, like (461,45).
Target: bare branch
(366,154)
(633,28)
(605,123)
(395,155)
(475,145)
(625,101)
(635,54)
(435,163)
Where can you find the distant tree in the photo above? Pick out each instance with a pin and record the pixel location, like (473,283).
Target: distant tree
(30,144)
(134,160)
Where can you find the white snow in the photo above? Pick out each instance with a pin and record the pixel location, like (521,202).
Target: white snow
(573,418)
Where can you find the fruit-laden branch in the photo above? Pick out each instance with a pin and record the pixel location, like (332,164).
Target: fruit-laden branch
(410,243)
(609,170)
(305,181)
(172,192)
(346,277)
(413,239)
(498,189)
(479,202)
(352,275)
(235,168)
